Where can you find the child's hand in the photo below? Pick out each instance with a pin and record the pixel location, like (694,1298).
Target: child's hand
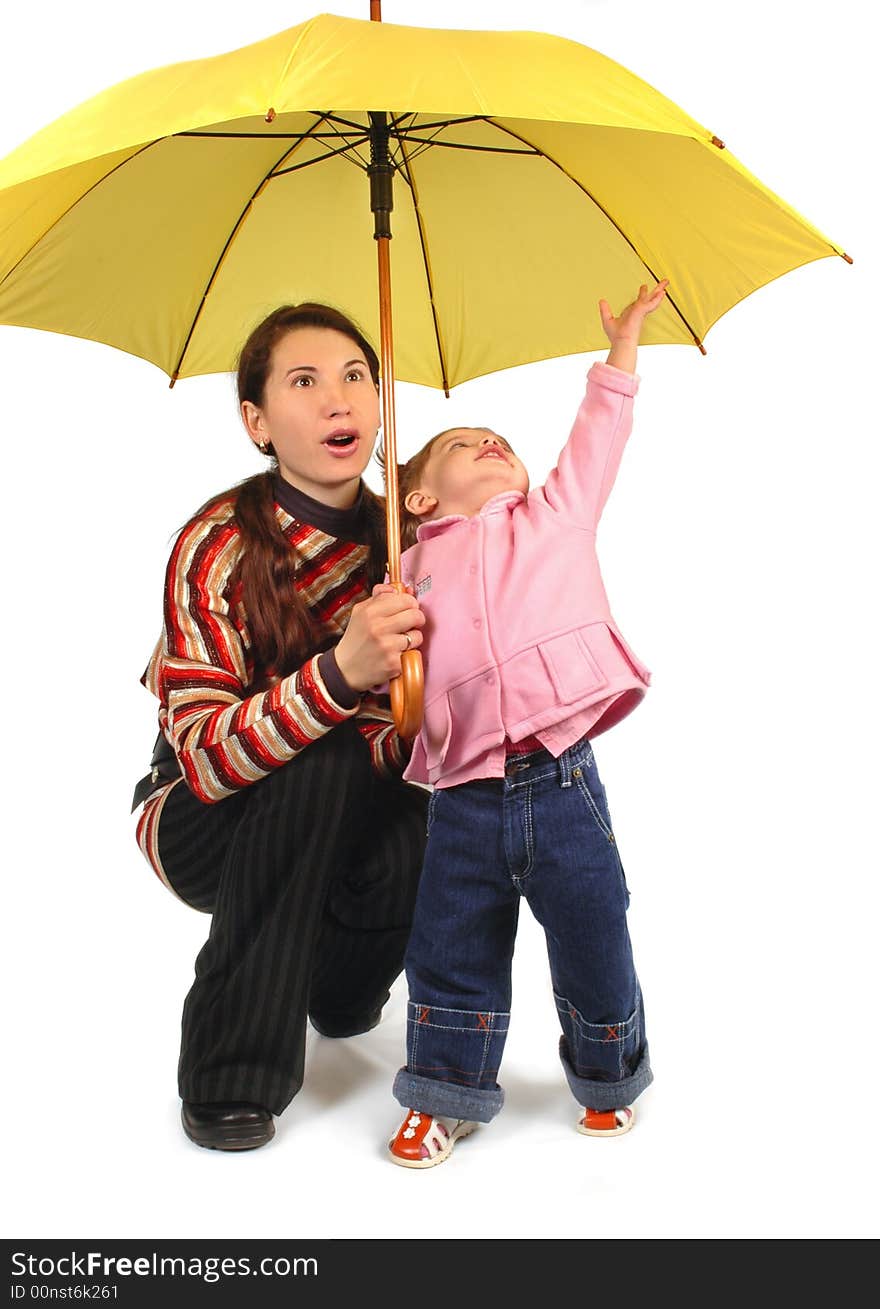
(628,325)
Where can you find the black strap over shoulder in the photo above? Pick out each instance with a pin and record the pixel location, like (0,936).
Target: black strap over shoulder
(163,768)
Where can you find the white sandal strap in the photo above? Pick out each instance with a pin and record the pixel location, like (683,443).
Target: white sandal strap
(436,1138)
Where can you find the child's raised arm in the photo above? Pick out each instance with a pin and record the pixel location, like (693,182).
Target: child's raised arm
(580,483)
(624,331)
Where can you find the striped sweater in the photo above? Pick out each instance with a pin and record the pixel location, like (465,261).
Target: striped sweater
(230,723)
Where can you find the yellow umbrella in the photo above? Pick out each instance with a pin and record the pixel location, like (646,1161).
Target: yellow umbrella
(527,175)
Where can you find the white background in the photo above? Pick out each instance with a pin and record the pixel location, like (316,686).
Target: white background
(739,552)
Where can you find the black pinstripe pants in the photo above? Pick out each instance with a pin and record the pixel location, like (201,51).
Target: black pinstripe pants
(310,876)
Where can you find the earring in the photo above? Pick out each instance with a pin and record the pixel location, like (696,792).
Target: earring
(263,448)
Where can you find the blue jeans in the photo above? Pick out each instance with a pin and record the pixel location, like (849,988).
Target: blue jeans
(543,831)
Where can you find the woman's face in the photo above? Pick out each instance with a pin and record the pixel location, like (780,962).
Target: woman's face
(320,413)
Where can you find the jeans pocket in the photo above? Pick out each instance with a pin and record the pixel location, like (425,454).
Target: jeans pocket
(592,791)
(623,880)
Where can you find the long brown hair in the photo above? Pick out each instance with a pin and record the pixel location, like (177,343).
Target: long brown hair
(281,626)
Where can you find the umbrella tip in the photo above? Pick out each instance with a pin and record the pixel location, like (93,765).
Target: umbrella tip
(174,377)
(848,258)
(717,141)
(270,115)
(699,344)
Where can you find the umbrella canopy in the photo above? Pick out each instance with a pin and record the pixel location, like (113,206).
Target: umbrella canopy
(530,174)
(526,174)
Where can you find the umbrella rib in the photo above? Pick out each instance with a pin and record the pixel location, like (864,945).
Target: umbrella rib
(319,159)
(431,140)
(550,160)
(346,122)
(463,145)
(268,136)
(363,135)
(361,127)
(424,245)
(451,122)
(229,240)
(424,143)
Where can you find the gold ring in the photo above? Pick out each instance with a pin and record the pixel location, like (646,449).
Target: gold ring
(408,639)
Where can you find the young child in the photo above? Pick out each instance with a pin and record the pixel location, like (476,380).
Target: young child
(524,666)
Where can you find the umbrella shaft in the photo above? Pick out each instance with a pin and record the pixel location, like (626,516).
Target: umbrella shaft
(381,175)
(386,347)
(408,690)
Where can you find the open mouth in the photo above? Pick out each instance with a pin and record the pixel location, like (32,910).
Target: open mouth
(341,440)
(493,454)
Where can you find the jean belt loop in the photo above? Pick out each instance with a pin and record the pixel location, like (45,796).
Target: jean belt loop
(564,763)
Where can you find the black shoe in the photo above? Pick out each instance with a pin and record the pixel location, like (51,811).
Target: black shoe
(227,1125)
(335,1026)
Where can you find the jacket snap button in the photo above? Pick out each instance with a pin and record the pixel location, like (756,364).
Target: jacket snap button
(477,623)
(576,772)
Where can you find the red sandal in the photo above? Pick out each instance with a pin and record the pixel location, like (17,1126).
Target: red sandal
(422,1141)
(610,1122)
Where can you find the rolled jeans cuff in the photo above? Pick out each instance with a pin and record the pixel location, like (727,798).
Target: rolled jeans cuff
(606,1095)
(445,1099)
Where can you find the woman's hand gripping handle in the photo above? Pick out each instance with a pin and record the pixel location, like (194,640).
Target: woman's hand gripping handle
(380,645)
(408,689)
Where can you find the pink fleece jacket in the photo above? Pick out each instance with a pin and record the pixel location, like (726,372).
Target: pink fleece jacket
(519,637)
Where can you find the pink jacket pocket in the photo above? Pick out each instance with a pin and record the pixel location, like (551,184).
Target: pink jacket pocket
(436,731)
(604,649)
(573,669)
(643,672)
(561,671)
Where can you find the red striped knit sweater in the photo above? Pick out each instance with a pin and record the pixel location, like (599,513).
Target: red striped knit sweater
(229,724)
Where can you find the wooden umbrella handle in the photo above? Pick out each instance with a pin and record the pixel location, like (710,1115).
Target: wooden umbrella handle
(407,694)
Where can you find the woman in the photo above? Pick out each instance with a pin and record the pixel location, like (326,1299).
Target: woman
(275,802)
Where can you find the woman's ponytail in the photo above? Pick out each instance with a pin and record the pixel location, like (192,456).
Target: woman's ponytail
(280,623)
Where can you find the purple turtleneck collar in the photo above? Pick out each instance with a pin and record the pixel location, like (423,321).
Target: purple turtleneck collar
(348,524)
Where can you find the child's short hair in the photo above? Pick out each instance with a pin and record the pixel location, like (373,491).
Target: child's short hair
(408,476)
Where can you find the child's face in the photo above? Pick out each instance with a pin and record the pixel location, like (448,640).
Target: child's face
(466,467)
